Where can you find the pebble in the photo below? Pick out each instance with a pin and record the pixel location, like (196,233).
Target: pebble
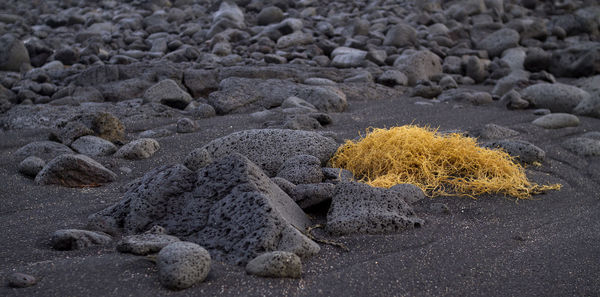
(142,148)
(21,280)
(276,264)
(182,264)
(557,121)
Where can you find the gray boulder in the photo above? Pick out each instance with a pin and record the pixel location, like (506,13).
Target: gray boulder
(556,121)
(142,148)
(270,148)
(301,169)
(241,95)
(556,97)
(420,65)
(74,239)
(583,146)
(269,15)
(524,151)
(307,195)
(499,41)
(182,264)
(197,159)
(167,92)
(360,208)
(13,54)
(577,60)
(31,166)
(70,132)
(93,146)
(276,264)
(401,35)
(45,150)
(346,57)
(74,171)
(230,206)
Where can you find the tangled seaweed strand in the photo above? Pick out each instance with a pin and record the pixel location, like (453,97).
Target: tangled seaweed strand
(441,165)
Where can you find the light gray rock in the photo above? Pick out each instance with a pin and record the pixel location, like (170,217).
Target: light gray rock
(186,125)
(447,83)
(228,16)
(270,148)
(524,151)
(210,205)
(93,146)
(510,82)
(142,148)
(556,97)
(556,121)
(182,264)
(144,244)
(401,35)
(345,57)
(167,92)
(319,81)
(499,41)
(583,146)
(301,169)
(493,131)
(276,264)
(197,159)
(13,54)
(74,171)
(294,39)
(45,150)
(420,65)
(74,239)
(21,280)
(514,58)
(513,100)
(359,208)
(31,165)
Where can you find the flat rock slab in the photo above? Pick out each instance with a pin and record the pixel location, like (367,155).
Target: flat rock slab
(230,207)
(74,171)
(270,148)
(557,121)
(360,208)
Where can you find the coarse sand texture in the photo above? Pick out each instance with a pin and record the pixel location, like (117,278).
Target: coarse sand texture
(441,165)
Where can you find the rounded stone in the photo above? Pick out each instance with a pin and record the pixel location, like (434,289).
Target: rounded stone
(186,125)
(269,15)
(182,264)
(276,264)
(557,121)
(142,148)
(31,166)
(21,280)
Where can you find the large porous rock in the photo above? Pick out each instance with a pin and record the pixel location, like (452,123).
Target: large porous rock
(142,148)
(270,148)
(499,41)
(301,169)
(276,264)
(93,146)
(420,65)
(360,208)
(168,93)
(556,97)
(74,171)
(523,151)
(239,95)
(230,207)
(182,264)
(13,54)
(71,131)
(45,150)
(577,60)
(144,244)
(73,239)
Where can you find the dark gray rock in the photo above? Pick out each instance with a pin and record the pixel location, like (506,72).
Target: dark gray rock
(230,206)
(577,60)
(21,280)
(93,146)
(493,131)
(276,264)
(420,65)
(269,15)
(556,97)
(270,148)
(182,264)
(46,150)
(557,121)
(31,166)
(307,195)
(74,239)
(108,126)
(294,39)
(301,122)
(499,41)
(513,100)
(74,171)
(167,92)
(583,146)
(537,59)
(70,132)
(142,148)
(144,244)
(200,82)
(409,192)
(13,54)
(186,125)
(67,55)
(392,78)
(524,151)
(237,95)
(475,69)
(336,175)
(401,35)
(359,208)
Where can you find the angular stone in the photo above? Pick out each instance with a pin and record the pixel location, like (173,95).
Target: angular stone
(420,65)
(167,92)
(74,171)
(46,150)
(142,148)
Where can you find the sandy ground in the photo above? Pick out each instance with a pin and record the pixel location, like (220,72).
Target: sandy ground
(495,246)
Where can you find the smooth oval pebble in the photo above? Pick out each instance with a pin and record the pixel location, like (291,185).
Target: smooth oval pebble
(21,280)
(182,264)
(556,121)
